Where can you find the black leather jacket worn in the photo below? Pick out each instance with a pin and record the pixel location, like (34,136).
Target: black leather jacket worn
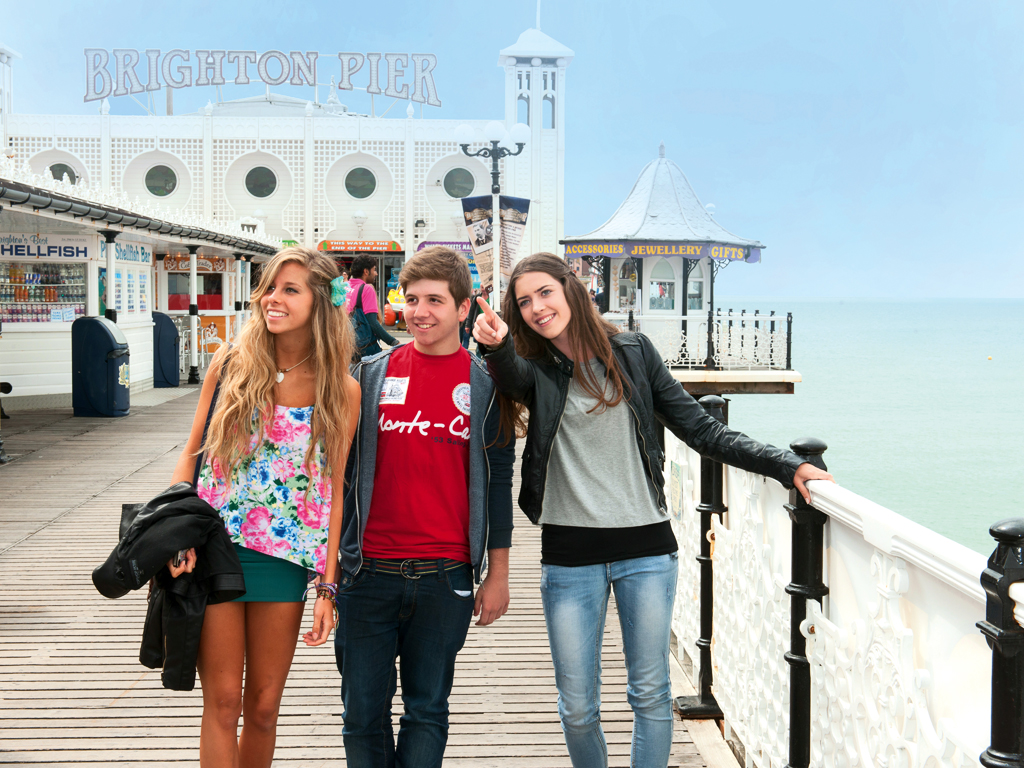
(542,385)
(151,534)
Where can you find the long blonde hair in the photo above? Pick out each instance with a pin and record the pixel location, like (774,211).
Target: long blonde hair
(248,371)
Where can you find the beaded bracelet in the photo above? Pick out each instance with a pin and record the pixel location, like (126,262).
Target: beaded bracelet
(330,591)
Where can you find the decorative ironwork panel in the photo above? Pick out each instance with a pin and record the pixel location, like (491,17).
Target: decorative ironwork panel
(751,623)
(870,701)
(686,526)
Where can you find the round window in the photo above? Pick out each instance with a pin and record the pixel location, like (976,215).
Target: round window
(59,170)
(260,182)
(459,182)
(360,183)
(161,180)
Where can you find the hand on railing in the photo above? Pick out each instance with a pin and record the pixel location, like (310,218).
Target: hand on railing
(806,472)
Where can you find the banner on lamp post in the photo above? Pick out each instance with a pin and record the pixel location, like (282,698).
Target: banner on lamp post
(479,216)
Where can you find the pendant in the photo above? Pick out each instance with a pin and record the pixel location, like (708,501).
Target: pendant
(280,376)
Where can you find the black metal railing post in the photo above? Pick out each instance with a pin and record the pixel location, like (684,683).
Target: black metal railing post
(703,706)
(789,341)
(1006,639)
(709,361)
(808,540)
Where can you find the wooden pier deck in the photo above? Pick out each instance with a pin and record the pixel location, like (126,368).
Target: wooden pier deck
(73,692)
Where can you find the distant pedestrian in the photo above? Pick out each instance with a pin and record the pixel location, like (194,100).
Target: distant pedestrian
(594,483)
(428,507)
(466,329)
(269,456)
(361,304)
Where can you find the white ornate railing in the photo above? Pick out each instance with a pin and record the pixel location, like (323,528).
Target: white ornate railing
(900,674)
(739,341)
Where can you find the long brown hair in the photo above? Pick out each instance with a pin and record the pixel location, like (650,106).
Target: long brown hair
(589,333)
(249,371)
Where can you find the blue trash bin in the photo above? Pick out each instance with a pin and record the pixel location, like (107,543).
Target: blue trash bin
(166,349)
(100,375)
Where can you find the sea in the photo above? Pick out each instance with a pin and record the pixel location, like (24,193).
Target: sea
(920,404)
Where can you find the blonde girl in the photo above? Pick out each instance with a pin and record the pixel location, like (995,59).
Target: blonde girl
(272,463)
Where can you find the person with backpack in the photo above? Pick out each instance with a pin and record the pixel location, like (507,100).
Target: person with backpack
(361,305)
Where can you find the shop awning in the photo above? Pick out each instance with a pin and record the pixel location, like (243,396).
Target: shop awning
(359,246)
(662,216)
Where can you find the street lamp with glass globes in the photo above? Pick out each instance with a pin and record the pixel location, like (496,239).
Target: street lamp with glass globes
(501,142)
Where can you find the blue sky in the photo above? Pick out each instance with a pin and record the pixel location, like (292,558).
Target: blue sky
(875,148)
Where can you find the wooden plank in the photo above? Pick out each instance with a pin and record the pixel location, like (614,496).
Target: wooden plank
(72,690)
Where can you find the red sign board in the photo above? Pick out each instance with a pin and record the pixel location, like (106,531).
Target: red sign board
(372,246)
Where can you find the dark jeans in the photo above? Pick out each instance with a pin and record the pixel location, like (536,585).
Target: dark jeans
(423,622)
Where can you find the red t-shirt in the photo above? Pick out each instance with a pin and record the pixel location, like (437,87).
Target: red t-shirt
(420,505)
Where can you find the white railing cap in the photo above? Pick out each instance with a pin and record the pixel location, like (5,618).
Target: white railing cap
(892,533)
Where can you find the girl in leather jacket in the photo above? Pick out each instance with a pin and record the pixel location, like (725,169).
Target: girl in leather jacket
(267,450)
(591,477)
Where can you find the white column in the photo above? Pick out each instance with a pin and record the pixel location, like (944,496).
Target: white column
(307,182)
(409,239)
(559,201)
(106,171)
(246,283)
(208,163)
(111,277)
(239,293)
(193,316)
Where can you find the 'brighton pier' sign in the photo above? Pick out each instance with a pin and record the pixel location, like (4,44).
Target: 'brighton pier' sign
(174,69)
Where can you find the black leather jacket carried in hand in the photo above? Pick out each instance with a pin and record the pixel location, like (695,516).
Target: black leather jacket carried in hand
(542,385)
(151,534)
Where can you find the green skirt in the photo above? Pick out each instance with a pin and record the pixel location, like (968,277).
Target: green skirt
(270,579)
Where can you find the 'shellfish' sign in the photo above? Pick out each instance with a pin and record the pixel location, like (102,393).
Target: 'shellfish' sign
(116,72)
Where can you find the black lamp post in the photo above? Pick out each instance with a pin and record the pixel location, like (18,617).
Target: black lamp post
(499,140)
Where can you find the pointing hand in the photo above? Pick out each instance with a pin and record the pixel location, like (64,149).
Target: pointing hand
(489,329)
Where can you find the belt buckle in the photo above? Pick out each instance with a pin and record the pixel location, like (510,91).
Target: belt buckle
(408,569)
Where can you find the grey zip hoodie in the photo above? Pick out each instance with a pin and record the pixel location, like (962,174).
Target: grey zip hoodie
(490,469)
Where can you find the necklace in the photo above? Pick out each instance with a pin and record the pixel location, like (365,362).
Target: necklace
(281,373)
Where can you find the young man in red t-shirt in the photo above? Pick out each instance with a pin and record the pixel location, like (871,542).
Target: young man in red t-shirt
(428,505)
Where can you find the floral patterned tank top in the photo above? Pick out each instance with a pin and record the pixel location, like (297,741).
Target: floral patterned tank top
(264,504)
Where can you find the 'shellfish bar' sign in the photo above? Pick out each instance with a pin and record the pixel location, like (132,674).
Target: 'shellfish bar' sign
(116,72)
(686,250)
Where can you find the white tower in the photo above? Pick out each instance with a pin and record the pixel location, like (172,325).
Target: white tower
(535,94)
(7,57)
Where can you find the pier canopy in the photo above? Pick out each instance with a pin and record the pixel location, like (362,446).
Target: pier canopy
(662,216)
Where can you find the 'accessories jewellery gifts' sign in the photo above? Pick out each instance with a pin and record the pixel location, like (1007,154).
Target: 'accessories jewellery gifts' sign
(622,249)
(116,72)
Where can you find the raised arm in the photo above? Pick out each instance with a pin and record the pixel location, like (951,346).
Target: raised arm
(686,418)
(512,375)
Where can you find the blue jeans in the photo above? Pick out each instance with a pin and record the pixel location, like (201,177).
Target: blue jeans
(575,607)
(423,622)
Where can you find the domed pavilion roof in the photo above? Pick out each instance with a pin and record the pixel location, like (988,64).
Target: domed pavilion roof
(663,209)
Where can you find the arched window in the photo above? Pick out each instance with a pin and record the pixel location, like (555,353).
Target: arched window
(523,110)
(662,290)
(59,170)
(549,112)
(695,288)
